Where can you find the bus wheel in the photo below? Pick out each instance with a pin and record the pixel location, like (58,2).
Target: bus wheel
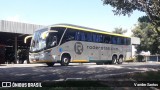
(65,61)
(50,64)
(120,60)
(114,60)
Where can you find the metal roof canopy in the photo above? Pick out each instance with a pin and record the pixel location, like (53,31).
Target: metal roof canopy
(13,34)
(9,30)
(17,27)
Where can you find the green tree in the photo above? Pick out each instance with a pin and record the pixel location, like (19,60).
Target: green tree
(126,7)
(119,31)
(149,40)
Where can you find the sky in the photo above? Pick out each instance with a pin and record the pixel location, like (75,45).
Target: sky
(88,13)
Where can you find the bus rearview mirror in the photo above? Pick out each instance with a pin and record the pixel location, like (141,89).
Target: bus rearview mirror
(26,38)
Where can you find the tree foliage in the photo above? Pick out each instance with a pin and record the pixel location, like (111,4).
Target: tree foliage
(119,31)
(126,7)
(149,38)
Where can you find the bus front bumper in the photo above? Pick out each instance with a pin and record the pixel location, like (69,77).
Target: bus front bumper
(42,58)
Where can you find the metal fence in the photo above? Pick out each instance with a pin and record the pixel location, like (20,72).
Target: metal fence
(154,58)
(148,58)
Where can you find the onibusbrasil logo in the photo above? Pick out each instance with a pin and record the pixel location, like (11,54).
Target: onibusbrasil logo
(78,48)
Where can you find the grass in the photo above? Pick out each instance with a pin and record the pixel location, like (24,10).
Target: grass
(138,76)
(148,76)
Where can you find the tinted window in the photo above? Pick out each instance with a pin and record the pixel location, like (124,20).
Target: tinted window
(70,35)
(83,36)
(59,33)
(97,38)
(114,40)
(128,41)
(89,37)
(77,35)
(101,38)
(94,37)
(125,41)
(80,36)
(120,41)
(107,39)
(51,40)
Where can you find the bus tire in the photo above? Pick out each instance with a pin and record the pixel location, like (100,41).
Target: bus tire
(114,59)
(50,64)
(65,61)
(120,60)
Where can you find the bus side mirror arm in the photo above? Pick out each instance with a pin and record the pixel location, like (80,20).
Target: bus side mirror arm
(26,38)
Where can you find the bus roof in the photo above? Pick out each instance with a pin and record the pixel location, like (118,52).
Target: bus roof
(86,29)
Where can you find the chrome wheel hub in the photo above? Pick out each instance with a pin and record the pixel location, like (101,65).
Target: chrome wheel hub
(65,60)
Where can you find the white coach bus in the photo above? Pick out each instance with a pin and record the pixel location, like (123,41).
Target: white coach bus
(66,43)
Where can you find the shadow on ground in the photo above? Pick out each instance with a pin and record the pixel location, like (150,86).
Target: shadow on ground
(44,73)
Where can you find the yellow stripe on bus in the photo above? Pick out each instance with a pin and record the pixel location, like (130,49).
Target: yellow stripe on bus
(74,61)
(102,32)
(78,61)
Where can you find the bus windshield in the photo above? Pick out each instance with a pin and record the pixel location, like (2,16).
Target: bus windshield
(37,42)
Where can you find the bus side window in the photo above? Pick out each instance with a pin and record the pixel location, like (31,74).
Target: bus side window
(118,41)
(94,37)
(77,36)
(89,37)
(71,35)
(122,41)
(114,40)
(83,38)
(98,38)
(70,38)
(125,41)
(107,39)
(128,41)
(101,39)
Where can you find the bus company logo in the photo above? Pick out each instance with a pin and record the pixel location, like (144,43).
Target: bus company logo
(78,48)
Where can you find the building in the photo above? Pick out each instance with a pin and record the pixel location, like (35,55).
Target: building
(12,36)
